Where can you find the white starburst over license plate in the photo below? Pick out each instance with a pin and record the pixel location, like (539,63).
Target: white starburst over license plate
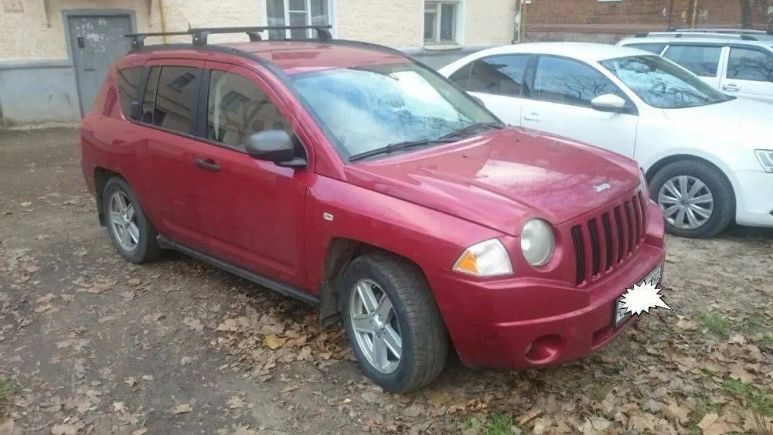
(621,312)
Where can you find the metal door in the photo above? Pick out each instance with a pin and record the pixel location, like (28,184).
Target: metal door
(96,41)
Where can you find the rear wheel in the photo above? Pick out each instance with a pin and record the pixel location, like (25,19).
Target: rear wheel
(392,322)
(127,225)
(696,200)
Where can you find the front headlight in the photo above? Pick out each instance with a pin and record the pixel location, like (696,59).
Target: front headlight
(488,258)
(643,184)
(766,159)
(537,242)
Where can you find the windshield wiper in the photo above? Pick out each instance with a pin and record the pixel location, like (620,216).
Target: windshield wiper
(399,146)
(473,128)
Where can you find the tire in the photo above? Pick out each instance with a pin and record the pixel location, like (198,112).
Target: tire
(686,172)
(415,317)
(144,245)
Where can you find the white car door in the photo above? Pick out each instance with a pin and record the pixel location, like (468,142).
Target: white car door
(498,82)
(560,103)
(749,73)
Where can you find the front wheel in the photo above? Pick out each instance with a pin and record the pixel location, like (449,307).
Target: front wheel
(392,322)
(696,199)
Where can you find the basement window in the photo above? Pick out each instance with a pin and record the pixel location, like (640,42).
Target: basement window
(440,21)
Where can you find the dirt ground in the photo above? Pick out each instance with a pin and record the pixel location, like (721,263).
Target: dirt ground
(91,344)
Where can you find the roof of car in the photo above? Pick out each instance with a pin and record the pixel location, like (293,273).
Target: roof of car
(586,51)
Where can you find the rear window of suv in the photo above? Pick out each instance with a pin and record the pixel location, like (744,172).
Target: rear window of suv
(128,87)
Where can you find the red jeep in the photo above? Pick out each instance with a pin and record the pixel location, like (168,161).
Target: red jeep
(351,177)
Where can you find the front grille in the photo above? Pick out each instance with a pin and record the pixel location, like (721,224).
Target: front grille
(622,231)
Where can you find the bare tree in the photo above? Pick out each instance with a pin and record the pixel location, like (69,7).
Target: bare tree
(746,13)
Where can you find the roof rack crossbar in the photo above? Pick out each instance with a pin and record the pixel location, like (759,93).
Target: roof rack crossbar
(200,35)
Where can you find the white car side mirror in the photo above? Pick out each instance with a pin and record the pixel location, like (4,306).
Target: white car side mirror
(608,103)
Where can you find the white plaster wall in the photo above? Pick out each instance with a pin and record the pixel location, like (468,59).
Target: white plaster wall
(489,22)
(27,36)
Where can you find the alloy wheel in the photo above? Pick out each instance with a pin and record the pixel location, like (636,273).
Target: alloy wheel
(375,325)
(123,221)
(686,201)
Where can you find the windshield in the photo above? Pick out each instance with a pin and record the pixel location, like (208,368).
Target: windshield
(366,108)
(662,84)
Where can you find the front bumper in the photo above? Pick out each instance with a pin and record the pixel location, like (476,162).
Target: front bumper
(754,198)
(523,323)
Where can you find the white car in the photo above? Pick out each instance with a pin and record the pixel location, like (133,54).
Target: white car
(708,157)
(737,62)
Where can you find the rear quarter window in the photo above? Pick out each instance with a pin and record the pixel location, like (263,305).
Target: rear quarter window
(128,88)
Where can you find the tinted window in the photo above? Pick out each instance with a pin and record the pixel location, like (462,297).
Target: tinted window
(702,61)
(149,101)
(652,48)
(568,82)
(128,86)
(745,64)
(502,75)
(174,99)
(237,108)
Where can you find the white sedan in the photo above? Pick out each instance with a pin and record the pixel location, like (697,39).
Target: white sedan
(708,157)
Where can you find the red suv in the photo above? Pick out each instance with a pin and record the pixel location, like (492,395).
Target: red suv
(348,176)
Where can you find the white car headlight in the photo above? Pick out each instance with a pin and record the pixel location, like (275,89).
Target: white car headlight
(537,242)
(766,159)
(645,191)
(487,258)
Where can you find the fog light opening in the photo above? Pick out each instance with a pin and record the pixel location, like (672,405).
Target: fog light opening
(544,349)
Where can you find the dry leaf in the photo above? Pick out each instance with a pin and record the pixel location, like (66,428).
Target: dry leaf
(273,342)
(182,409)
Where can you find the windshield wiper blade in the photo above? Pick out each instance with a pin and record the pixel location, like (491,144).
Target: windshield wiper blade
(399,146)
(472,128)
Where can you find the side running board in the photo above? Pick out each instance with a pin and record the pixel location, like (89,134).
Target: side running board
(269,283)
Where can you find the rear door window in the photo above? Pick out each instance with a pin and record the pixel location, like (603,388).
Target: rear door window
(499,75)
(175,97)
(128,89)
(700,60)
(651,47)
(238,108)
(746,64)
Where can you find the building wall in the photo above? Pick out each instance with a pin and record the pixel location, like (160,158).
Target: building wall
(609,21)
(37,76)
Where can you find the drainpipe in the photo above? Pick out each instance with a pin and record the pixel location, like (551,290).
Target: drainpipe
(671,15)
(162,18)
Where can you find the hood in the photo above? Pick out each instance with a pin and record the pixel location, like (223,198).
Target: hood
(740,121)
(503,178)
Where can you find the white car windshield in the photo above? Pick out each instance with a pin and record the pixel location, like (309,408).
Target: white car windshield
(366,108)
(662,84)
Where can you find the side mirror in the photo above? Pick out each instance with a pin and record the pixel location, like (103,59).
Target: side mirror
(274,146)
(477,99)
(608,103)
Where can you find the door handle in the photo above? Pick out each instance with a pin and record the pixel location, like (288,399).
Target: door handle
(208,164)
(534,117)
(731,87)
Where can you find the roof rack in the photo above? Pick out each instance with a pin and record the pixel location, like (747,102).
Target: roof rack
(726,30)
(199,35)
(704,34)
